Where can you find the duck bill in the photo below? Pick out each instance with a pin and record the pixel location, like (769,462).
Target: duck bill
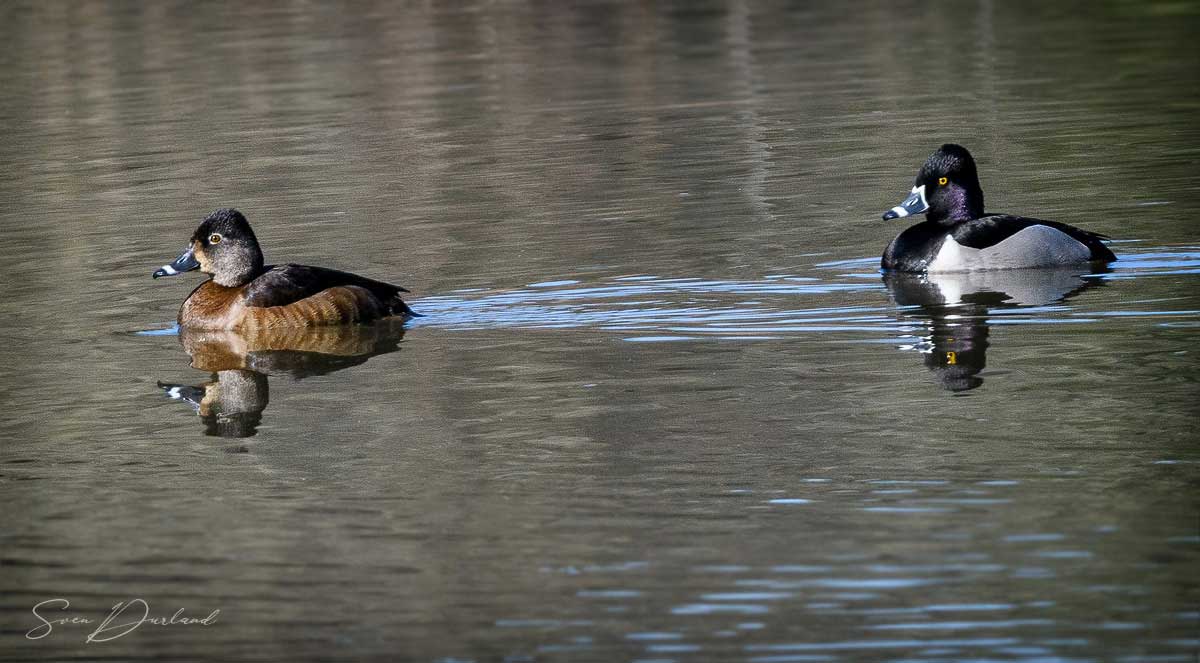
(186,262)
(915,203)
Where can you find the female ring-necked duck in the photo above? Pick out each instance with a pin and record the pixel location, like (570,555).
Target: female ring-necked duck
(958,235)
(244,294)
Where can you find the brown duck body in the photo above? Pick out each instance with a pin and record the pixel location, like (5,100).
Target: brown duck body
(245,295)
(214,306)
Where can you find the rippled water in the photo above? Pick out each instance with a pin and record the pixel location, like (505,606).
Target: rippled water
(661,404)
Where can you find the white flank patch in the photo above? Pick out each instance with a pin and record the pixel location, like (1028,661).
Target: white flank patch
(1035,246)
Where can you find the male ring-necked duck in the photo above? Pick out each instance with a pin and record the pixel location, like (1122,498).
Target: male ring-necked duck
(958,235)
(244,294)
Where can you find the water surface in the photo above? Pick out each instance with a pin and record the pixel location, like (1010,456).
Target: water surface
(661,405)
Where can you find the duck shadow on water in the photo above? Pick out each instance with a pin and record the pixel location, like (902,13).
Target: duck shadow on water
(954,309)
(231,404)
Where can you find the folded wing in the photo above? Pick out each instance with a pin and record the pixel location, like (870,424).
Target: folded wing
(281,285)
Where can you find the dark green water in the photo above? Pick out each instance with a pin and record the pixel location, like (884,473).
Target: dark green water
(662,405)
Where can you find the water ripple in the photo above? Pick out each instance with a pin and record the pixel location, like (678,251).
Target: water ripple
(657,308)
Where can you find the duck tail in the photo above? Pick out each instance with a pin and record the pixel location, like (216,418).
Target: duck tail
(400,307)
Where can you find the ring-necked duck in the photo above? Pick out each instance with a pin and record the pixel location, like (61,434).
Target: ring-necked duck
(958,235)
(244,294)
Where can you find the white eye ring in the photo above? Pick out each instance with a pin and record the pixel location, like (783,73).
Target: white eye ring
(214,238)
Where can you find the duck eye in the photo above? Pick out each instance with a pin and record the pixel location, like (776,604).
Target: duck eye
(214,238)
(942,181)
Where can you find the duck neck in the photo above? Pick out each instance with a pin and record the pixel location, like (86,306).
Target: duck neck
(240,271)
(956,203)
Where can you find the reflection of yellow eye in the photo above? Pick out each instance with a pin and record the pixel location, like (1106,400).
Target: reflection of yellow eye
(942,181)
(214,238)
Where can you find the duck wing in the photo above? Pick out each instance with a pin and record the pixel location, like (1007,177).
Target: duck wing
(281,285)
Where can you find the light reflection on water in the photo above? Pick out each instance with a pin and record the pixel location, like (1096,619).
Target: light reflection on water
(661,308)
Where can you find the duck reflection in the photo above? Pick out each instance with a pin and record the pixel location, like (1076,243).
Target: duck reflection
(232,403)
(954,308)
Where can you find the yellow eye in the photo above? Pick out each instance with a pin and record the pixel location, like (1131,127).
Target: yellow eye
(942,181)
(214,238)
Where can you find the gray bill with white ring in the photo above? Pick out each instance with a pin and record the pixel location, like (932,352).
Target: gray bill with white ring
(186,262)
(915,203)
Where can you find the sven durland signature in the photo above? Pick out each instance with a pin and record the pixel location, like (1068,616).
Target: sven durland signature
(124,618)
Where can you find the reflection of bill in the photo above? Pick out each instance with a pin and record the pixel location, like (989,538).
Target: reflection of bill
(231,404)
(954,309)
(124,618)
